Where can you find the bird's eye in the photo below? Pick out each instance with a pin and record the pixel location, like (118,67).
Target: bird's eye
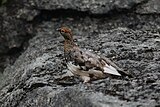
(62,31)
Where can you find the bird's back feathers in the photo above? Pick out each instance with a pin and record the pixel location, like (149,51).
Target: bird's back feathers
(88,62)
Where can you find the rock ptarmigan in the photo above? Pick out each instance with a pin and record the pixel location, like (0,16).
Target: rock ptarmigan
(86,64)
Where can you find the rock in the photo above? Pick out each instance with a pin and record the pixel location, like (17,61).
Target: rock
(29,13)
(15,33)
(150,7)
(91,6)
(32,53)
(41,65)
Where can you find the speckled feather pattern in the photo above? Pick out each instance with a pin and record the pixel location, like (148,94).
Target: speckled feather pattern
(86,64)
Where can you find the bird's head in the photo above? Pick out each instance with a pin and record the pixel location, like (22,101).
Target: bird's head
(66,33)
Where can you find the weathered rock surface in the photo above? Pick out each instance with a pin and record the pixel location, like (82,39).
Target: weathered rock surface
(150,7)
(91,6)
(13,36)
(131,40)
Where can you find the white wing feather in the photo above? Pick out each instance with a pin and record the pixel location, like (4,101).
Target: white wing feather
(111,70)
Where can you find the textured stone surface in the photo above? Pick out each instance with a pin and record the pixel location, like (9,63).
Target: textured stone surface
(14,33)
(131,40)
(150,7)
(91,6)
(42,64)
(20,17)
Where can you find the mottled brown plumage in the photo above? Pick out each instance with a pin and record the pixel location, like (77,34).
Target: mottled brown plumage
(84,63)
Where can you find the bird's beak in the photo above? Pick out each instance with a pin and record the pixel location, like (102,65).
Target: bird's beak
(58,29)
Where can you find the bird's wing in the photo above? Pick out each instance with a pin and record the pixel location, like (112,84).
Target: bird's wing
(85,59)
(91,62)
(108,61)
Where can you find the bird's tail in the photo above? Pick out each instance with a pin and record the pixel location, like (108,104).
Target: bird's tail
(118,69)
(111,70)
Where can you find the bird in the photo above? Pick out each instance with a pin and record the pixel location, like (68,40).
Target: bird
(86,64)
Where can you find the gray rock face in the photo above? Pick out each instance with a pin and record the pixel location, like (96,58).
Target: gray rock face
(131,40)
(91,6)
(13,36)
(151,7)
